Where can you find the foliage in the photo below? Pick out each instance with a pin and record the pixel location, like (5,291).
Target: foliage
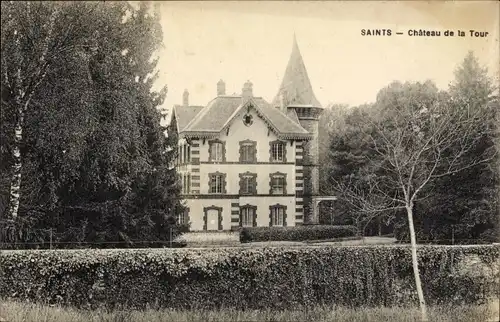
(464,206)
(296,233)
(96,163)
(254,278)
(399,148)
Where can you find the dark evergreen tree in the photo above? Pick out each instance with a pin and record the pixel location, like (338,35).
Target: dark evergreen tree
(465,205)
(97,162)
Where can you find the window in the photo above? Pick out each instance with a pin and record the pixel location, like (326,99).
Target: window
(277,183)
(184,217)
(188,153)
(217,183)
(248,216)
(277,216)
(248,151)
(248,119)
(188,185)
(216,151)
(277,151)
(248,183)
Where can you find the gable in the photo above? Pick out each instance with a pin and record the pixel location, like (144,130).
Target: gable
(283,126)
(218,115)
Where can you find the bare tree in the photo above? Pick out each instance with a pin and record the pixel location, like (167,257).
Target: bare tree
(415,142)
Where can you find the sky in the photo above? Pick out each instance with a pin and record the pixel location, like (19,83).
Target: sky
(240,41)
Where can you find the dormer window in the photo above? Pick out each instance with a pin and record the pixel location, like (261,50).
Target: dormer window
(217,151)
(277,151)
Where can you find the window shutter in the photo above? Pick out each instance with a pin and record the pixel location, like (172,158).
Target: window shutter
(220,219)
(186,215)
(210,180)
(253,150)
(255,216)
(242,183)
(223,146)
(242,148)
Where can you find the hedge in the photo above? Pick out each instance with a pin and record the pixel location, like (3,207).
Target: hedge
(297,233)
(254,278)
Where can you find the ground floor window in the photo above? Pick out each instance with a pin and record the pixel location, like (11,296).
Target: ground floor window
(248,216)
(183,218)
(277,216)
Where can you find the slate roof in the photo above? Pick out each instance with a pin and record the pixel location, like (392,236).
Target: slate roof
(296,86)
(213,117)
(184,114)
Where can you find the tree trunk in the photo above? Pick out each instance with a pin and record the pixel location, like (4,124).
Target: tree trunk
(416,273)
(23,100)
(15,183)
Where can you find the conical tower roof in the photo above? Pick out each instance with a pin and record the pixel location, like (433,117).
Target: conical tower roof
(296,87)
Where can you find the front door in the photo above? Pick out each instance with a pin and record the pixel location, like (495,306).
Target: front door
(212,219)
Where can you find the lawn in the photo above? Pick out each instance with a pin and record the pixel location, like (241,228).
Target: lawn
(28,312)
(232,239)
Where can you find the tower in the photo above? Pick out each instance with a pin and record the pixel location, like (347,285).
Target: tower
(296,95)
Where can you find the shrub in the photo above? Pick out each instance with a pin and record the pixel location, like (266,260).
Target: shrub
(254,278)
(297,233)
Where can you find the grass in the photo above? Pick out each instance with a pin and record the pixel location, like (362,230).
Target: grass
(28,312)
(210,238)
(232,239)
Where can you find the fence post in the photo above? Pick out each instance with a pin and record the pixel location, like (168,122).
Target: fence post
(50,244)
(453,234)
(170,239)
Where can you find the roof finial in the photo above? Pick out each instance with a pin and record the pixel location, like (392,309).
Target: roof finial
(185,98)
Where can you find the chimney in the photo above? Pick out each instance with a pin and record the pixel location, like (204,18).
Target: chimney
(221,88)
(185,98)
(247,91)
